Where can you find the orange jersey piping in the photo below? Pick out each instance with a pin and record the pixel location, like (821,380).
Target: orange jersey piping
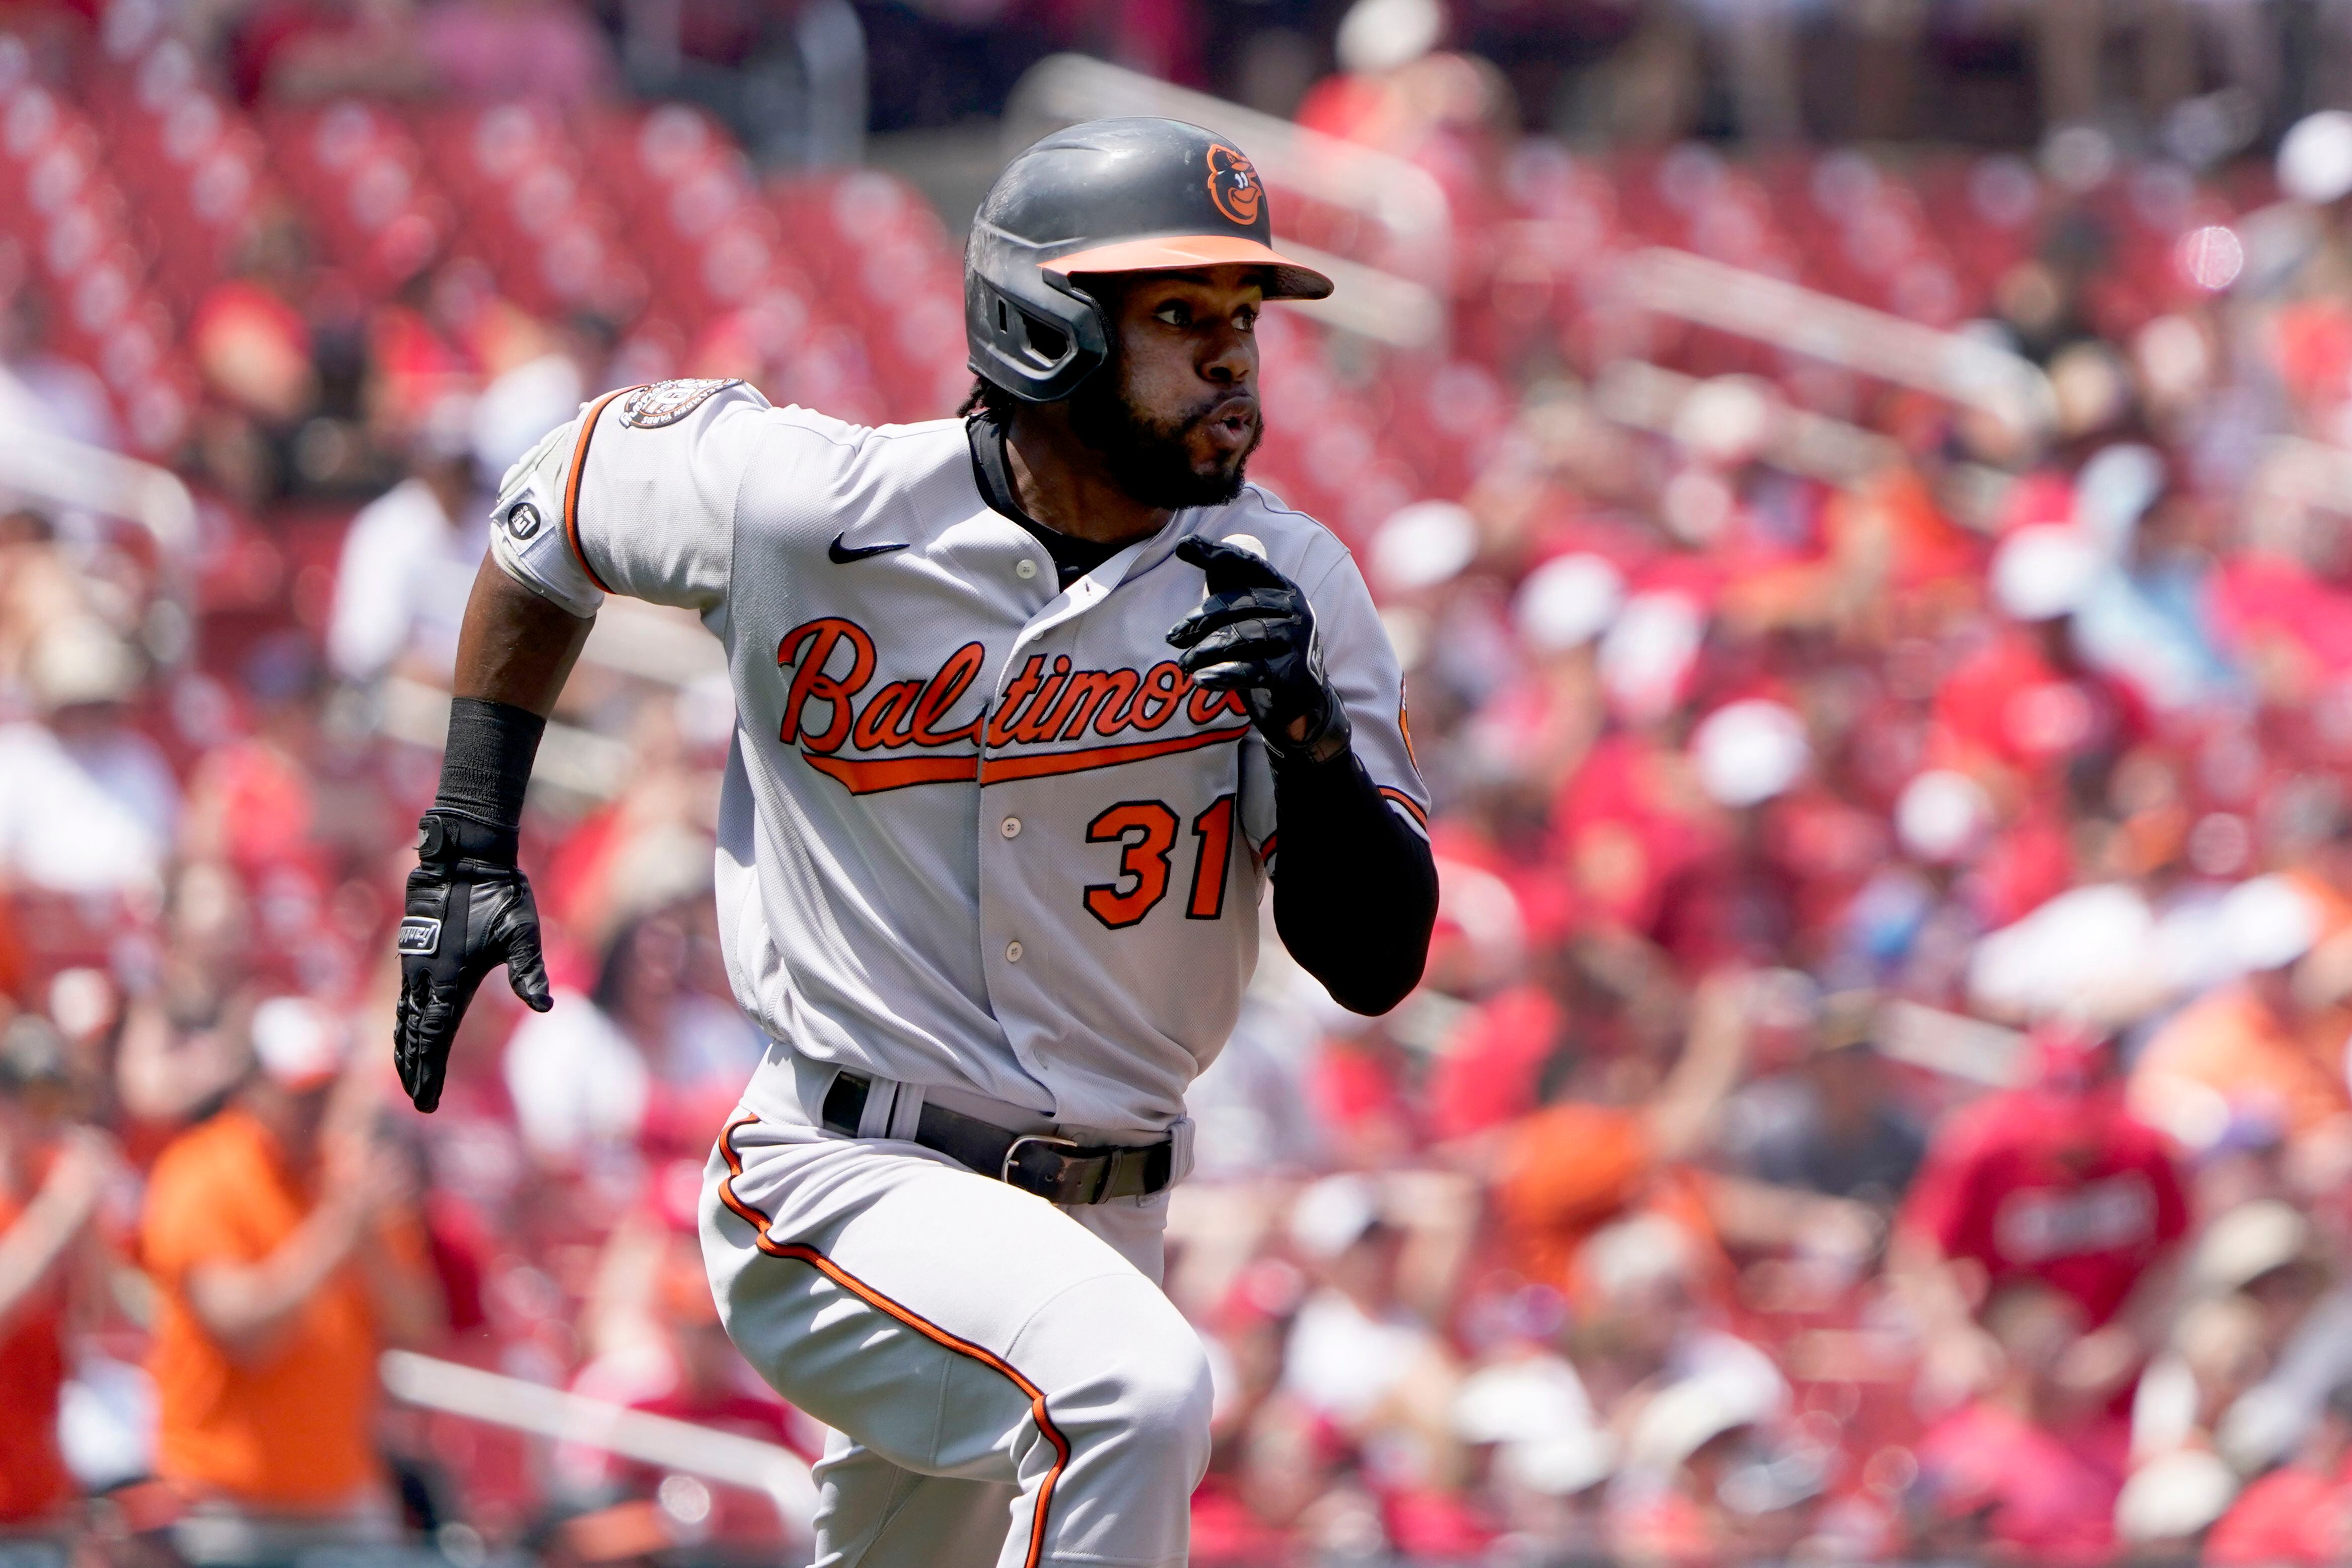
(1000,767)
(573,482)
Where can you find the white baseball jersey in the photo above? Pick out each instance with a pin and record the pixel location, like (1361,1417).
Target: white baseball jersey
(977,832)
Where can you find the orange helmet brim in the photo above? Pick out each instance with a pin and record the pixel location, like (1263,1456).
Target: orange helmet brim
(1287,279)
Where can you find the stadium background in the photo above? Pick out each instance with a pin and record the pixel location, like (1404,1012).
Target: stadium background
(1861,488)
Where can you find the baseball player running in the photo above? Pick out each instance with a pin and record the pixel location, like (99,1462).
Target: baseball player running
(1031,706)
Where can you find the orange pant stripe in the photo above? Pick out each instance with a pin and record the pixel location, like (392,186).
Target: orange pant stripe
(825,1265)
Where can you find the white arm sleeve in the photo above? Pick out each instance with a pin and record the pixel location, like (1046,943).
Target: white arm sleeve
(637,497)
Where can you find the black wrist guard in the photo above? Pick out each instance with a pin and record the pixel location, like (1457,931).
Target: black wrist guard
(477,812)
(470,908)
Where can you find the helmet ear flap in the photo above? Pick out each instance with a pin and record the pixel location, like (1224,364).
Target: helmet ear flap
(1018,335)
(1036,341)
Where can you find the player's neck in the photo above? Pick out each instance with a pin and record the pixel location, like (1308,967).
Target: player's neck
(1064,484)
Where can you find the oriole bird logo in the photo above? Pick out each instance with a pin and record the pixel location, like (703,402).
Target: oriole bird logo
(1233,184)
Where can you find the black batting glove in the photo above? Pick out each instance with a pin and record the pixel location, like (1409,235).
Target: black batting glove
(469,910)
(1255,634)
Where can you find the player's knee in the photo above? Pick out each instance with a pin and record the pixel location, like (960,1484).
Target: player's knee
(1165,1396)
(1127,1383)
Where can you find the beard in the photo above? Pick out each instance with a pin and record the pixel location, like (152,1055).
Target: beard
(1149,459)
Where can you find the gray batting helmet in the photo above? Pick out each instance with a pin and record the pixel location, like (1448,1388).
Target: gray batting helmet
(1111,195)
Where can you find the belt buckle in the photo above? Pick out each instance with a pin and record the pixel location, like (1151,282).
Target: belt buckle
(1013,1152)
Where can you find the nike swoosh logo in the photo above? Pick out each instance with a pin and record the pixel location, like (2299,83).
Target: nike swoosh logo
(842,554)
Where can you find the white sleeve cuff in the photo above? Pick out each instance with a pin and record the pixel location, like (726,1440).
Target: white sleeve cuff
(528,537)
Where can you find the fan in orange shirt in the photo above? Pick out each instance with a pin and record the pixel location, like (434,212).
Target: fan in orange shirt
(1565,1171)
(283,1245)
(1573,1166)
(2253,1050)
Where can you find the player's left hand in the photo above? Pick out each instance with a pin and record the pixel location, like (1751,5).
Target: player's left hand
(1255,634)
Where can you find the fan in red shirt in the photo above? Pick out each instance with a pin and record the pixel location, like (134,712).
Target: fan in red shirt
(51,1178)
(2027,702)
(2054,1181)
(2027,1464)
(2302,1511)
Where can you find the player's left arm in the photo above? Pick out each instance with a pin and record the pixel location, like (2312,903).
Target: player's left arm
(1355,889)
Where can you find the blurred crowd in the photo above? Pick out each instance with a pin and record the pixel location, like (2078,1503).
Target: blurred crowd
(1880,1090)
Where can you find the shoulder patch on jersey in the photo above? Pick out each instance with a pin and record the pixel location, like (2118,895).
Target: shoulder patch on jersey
(668,401)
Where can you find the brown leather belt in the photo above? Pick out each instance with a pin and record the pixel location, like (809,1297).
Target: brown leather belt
(1059,1170)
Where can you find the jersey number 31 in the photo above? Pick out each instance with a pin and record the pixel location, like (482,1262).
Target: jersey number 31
(1148,829)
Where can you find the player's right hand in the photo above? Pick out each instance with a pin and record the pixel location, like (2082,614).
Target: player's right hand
(469,910)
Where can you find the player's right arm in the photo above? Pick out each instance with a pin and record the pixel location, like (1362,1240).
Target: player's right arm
(469,907)
(636,496)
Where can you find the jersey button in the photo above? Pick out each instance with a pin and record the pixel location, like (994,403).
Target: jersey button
(1012,827)
(1012,953)
(1024,569)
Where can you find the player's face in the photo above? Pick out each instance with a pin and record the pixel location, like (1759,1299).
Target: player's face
(1176,412)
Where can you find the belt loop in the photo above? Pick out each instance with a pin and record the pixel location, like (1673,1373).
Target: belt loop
(906,1111)
(881,1093)
(1180,1153)
(812,1081)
